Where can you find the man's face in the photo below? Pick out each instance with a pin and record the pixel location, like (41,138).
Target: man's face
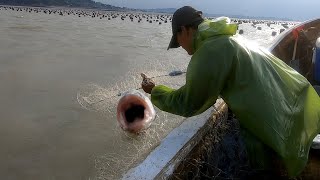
(185,38)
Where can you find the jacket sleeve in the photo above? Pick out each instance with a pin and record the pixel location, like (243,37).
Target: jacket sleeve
(206,74)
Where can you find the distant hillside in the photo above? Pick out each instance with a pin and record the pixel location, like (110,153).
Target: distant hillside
(98,5)
(66,3)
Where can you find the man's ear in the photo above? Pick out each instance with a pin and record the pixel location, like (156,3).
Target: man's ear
(187,30)
(183,28)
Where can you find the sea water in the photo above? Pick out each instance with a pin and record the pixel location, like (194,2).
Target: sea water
(60,80)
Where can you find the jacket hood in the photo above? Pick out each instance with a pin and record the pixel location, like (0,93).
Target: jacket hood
(216,27)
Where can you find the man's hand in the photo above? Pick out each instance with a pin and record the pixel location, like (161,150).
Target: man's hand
(147,84)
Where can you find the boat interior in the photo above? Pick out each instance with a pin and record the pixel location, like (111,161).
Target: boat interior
(298,49)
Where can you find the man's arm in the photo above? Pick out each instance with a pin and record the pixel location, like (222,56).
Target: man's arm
(206,76)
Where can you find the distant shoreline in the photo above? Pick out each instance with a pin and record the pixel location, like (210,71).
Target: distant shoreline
(86,8)
(61,7)
(147,11)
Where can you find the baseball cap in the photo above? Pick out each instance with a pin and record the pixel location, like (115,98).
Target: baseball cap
(186,15)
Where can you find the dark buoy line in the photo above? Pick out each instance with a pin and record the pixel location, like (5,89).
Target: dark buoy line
(141,17)
(108,15)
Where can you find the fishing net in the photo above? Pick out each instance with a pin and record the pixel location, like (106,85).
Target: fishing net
(95,97)
(221,154)
(129,149)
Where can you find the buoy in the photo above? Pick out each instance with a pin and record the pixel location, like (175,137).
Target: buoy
(273,33)
(175,73)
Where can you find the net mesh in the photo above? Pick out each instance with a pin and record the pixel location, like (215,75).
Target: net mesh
(130,149)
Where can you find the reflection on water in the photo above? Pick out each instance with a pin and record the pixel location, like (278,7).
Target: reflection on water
(52,70)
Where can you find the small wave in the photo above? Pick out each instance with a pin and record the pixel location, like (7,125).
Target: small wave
(29,28)
(18,16)
(138,46)
(125,36)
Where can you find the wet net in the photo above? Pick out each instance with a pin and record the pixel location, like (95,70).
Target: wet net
(129,149)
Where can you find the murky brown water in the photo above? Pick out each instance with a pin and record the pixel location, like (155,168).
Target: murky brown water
(45,61)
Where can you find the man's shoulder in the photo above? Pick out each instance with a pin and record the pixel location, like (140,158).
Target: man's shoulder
(219,43)
(219,47)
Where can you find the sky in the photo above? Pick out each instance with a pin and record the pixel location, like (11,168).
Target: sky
(292,9)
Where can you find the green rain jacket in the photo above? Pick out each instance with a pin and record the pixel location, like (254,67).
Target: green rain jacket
(272,101)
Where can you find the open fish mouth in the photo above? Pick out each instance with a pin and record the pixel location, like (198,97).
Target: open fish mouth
(135,111)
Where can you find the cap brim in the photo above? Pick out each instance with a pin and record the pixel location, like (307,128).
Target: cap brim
(173,42)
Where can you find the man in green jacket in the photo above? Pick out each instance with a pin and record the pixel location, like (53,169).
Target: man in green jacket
(275,105)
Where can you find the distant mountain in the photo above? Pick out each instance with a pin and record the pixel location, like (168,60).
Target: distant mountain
(65,3)
(98,5)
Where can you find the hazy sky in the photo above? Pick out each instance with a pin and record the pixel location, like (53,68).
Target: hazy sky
(293,9)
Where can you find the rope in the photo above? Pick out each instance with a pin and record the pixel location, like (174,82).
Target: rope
(173,73)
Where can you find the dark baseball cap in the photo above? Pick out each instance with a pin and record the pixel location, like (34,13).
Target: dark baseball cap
(186,15)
